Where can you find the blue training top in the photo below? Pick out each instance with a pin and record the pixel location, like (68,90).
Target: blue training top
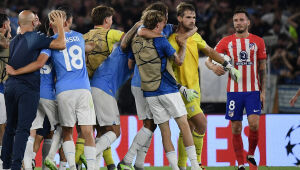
(24,49)
(113,72)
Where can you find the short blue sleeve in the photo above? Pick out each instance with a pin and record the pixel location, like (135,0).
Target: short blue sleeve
(168,30)
(47,52)
(38,40)
(168,49)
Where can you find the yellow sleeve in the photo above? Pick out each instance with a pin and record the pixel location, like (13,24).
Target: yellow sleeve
(113,36)
(200,42)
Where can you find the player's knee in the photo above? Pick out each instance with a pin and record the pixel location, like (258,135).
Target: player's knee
(201,127)
(253,126)
(149,124)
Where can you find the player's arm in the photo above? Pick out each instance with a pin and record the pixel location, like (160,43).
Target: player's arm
(294,98)
(57,20)
(146,33)
(179,58)
(182,37)
(262,78)
(213,54)
(129,35)
(218,70)
(36,65)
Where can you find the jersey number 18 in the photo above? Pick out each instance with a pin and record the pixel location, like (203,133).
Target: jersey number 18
(76,58)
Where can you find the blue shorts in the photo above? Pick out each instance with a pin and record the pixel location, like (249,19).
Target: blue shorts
(237,101)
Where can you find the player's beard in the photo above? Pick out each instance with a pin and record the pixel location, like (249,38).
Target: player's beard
(240,31)
(187,27)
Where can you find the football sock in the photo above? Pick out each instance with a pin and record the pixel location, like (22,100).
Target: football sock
(198,141)
(238,148)
(141,154)
(28,153)
(62,165)
(79,148)
(171,156)
(139,140)
(90,155)
(182,156)
(108,156)
(191,152)
(105,141)
(253,140)
(56,143)
(45,150)
(69,151)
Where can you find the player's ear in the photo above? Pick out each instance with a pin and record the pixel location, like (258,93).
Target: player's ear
(179,18)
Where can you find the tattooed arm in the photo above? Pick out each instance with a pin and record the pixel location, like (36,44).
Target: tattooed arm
(129,35)
(262,80)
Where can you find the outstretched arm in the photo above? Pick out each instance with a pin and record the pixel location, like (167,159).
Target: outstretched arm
(218,70)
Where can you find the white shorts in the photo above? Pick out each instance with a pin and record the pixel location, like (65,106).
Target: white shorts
(106,108)
(2,109)
(46,107)
(142,107)
(76,105)
(164,107)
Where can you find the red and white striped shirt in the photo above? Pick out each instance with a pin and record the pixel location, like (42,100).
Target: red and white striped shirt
(245,53)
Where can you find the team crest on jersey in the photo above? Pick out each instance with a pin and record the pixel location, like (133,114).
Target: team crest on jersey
(252,46)
(230,113)
(244,57)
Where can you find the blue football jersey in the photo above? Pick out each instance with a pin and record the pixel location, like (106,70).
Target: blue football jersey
(69,64)
(113,72)
(136,79)
(47,81)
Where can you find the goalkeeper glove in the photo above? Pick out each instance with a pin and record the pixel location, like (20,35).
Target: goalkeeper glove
(189,94)
(234,73)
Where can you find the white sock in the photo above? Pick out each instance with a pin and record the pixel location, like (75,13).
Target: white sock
(172,158)
(28,153)
(98,160)
(1,162)
(69,151)
(191,153)
(45,151)
(62,165)
(56,143)
(105,141)
(139,141)
(141,154)
(90,155)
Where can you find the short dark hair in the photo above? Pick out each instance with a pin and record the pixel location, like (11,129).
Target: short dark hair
(241,10)
(67,10)
(184,6)
(151,18)
(3,18)
(159,6)
(99,14)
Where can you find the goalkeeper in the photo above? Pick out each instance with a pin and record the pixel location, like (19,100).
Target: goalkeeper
(187,75)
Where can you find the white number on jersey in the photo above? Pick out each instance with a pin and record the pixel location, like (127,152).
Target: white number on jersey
(76,58)
(46,69)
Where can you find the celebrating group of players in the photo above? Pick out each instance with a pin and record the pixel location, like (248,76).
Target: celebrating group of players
(72,79)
